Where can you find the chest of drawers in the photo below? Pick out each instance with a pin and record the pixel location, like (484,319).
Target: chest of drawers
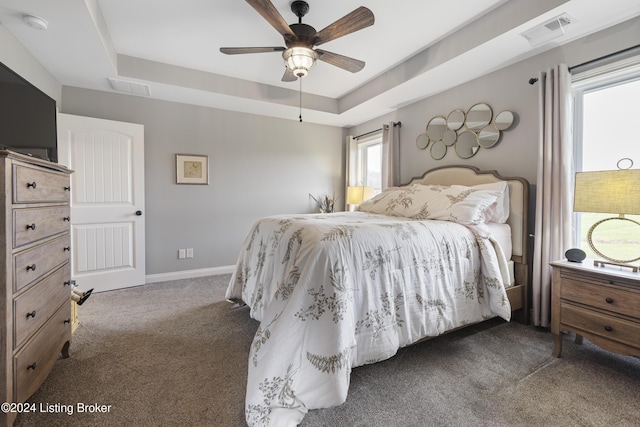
(35,289)
(601,304)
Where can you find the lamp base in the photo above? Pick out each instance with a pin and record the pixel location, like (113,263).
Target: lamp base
(597,263)
(599,253)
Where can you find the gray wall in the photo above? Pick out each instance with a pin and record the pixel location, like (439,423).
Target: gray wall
(505,89)
(258,166)
(16,57)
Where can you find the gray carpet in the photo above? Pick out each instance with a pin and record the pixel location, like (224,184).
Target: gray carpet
(175,353)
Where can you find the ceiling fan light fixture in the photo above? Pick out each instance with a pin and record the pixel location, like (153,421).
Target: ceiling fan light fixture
(299,60)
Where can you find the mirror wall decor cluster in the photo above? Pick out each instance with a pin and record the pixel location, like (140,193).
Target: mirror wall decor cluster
(465,132)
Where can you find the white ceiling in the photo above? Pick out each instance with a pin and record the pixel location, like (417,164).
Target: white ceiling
(415,49)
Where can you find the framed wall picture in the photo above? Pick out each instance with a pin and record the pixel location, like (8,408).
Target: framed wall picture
(192,169)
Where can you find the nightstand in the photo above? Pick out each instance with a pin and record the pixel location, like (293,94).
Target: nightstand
(601,304)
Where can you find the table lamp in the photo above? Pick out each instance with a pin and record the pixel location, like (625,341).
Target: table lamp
(610,191)
(358,194)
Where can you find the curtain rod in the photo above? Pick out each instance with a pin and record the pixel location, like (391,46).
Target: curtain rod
(610,55)
(602,58)
(377,130)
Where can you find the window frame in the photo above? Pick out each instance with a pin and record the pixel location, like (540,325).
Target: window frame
(592,80)
(362,145)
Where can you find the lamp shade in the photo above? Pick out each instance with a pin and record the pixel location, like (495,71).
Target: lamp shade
(614,191)
(358,194)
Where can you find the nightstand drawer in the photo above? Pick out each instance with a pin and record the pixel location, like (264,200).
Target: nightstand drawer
(33,185)
(612,328)
(35,224)
(35,306)
(603,296)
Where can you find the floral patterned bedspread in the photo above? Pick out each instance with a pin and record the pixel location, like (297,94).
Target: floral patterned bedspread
(336,291)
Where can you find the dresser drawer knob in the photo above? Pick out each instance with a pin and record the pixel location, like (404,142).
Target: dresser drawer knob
(66,248)
(608,328)
(67,321)
(31,267)
(66,218)
(32,366)
(32,314)
(609,300)
(31,227)
(66,283)
(31,184)
(67,188)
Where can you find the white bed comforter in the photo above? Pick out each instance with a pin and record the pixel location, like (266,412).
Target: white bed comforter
(335,291)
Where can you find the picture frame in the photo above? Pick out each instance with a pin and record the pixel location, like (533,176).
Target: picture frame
(192,169)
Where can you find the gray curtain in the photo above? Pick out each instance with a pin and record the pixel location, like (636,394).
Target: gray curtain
(390,155)
(554,189)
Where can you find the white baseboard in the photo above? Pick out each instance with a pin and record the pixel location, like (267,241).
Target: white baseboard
(188,274)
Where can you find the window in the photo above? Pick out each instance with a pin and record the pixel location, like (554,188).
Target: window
(369,163)
(606,108)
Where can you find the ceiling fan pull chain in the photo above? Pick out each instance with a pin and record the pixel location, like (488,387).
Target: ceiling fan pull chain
(300,117)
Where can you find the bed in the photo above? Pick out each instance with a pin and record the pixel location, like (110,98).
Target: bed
(335,291)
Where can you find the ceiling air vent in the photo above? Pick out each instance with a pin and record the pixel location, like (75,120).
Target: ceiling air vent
(130,87)
(548,31)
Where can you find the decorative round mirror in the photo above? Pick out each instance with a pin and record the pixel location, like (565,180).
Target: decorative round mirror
(449,137)
(436,128)
(438,150)
(488,136)
(503,120)
(422,141)
(467,145)
(455,119)
(478,117)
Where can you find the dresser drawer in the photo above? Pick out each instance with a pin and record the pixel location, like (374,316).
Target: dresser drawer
(33,224)
(31,185)
(34,361)
(34,307)
(610,327)
(604,297)
(36,262)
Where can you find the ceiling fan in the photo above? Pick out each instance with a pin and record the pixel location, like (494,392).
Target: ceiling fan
(300,39)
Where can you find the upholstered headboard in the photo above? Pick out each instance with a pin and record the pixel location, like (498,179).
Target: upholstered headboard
(518,198)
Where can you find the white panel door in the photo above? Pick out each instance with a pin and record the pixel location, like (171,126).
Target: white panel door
(107,200)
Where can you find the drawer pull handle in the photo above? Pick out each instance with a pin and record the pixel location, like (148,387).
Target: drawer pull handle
(31,227)
(67,321)
(31,267)
(66,248)
(609,300)
(31,184)
(67,283)
(608,328)
(67,188)
(32,314)
(32,366)
(66,218)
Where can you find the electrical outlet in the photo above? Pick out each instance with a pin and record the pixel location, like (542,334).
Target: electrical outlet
(182,253)
(189,252)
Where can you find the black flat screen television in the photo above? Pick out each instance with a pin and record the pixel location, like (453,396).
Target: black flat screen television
(27,117)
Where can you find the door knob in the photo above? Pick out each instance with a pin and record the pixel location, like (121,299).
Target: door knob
(139,213)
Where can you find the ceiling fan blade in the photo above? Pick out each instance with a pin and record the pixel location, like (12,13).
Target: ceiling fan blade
(241,50)
(288,76)
(341,61)
(352,22)
(272,16)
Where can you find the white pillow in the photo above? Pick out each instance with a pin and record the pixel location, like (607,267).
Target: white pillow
(457,203)
(501,210)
